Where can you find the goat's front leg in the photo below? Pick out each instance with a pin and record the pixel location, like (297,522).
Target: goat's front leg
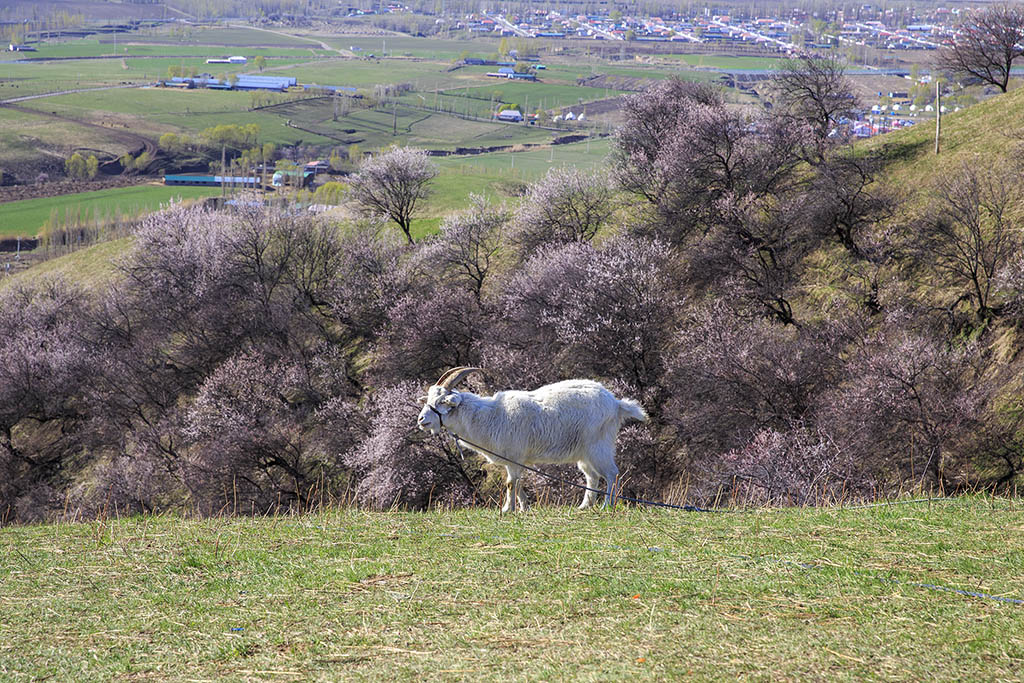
(593,481)
(510,486)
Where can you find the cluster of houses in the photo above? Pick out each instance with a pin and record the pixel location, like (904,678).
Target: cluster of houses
(912,37)
(874,125)
(879,27)
(390,8)
(708,28)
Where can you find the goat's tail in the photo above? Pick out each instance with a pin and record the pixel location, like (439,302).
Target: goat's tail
(630,408)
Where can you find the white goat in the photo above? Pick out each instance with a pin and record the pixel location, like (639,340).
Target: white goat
(575,421)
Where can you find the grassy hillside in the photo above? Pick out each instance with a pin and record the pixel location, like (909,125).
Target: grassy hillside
(554,593)
(987,134)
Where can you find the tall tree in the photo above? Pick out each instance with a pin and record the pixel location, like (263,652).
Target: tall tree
(814,90)
(970,233)
(392,184)
(987,44)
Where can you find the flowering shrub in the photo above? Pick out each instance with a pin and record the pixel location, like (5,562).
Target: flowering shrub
(400,465)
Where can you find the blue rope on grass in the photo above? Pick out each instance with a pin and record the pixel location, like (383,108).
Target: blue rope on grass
(917,584)
(802,565)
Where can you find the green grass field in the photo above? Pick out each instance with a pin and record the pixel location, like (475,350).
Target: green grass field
(435,48)
(26,217)
(533,95)
(551,594)
(530,164)
(232,36)
(361,73)
(404,125)
(134,46)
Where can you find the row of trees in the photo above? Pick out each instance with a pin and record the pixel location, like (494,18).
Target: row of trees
(81,167)
(792,336)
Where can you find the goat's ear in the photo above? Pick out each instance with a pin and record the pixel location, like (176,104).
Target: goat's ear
(451,399)
(421,400)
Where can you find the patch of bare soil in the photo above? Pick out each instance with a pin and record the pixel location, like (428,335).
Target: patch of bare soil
(630,83)
(597,107)
(56,188)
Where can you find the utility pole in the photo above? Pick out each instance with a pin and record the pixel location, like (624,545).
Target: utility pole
(938,115)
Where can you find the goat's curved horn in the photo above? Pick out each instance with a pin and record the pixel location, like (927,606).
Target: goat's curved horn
(453,377)
(446,374)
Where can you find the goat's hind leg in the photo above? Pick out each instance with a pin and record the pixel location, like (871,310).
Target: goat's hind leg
(593,481)
(611,479)
(604,463)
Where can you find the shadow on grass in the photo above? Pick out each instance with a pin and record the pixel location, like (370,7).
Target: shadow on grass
(904,150)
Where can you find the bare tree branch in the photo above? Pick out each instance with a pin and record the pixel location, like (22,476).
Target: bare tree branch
(986,46)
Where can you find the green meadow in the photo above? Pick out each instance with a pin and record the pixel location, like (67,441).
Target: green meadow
(135,47)
(26,217)
(550,594)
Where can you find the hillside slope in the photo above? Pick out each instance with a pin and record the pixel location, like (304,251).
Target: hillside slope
(988,134)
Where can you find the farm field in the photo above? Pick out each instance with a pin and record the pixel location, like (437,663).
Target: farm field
(530,164)
(136,46)
(112,122)
(404,125)
(553,593)
(361,73)
(436,48)
(154,111)
(66,74)
(497,175)
(25,218)
(229,36)
(725,62)
(529,96)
